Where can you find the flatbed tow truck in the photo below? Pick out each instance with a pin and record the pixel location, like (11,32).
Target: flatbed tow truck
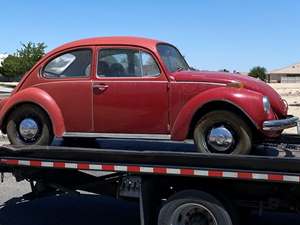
(172,188)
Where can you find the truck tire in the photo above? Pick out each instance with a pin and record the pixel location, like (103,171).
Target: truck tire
(29,125)
(222,132)
(193,207)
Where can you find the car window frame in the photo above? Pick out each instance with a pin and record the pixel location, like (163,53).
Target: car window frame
(141,59)
(137,48)
(161,59)
(66,51)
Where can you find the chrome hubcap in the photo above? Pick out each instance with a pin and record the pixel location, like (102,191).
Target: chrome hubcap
(192,214)
(220,138)
(28,128)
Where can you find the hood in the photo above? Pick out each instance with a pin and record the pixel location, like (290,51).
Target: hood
(278,105)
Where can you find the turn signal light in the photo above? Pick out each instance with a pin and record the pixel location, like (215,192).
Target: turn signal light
(235,84)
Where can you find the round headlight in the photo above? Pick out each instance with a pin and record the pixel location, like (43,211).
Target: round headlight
(266,104)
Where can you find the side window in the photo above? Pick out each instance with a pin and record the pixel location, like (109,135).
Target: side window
(150,67)
(72,64)
(126,63)
(119,63)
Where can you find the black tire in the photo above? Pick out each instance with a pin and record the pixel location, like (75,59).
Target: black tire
(44,135)
(213,209)
(241,132)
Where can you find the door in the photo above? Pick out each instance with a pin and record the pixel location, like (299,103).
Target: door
(66,77)
(129,93)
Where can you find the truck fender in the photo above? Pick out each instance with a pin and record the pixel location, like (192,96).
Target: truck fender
(39,97)
(240,98)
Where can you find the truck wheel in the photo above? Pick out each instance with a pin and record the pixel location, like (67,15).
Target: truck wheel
(29,125)
(222,132)
(193,207)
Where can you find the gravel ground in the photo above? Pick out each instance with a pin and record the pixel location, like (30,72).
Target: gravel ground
(10,188)
(291,93)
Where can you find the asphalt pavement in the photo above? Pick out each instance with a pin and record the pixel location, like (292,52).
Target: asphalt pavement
(90,209)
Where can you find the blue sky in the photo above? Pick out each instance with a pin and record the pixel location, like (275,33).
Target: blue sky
(212,34)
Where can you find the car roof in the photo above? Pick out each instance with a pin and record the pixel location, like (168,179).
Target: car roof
(114,40)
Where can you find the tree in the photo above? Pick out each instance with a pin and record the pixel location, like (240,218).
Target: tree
(23,60)
(10,66)
(29,54)
(258,72)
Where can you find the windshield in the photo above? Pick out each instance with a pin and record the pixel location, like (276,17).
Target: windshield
(172,58)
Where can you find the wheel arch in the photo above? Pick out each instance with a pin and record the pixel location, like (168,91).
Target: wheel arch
(242,101)
(40,98)
(220,105)
(14,107)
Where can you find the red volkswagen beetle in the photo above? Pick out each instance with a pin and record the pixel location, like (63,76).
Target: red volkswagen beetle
(138,87)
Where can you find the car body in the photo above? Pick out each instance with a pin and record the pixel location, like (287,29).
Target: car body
(128,86)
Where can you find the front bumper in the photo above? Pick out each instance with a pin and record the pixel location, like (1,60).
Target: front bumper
(277,125)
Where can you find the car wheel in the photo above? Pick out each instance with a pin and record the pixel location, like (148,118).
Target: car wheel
(194,207)
(29,125)
(222,132)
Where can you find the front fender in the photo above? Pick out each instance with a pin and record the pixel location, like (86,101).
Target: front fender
(39,97)
(248,101)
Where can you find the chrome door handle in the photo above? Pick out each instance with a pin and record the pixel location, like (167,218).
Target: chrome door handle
(99,88)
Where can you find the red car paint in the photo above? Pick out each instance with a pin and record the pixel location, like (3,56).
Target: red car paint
(143,105)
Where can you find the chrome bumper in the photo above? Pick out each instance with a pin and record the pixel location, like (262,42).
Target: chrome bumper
(276,125)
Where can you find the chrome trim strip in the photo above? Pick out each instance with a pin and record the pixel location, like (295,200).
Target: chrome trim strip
(133,79)
(276,125)
(117,135)
(202,82)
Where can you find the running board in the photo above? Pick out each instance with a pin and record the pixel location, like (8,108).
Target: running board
(117,135)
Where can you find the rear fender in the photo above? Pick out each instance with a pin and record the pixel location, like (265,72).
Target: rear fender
(39,97)
(248,101)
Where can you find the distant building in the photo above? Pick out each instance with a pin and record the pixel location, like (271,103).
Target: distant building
(244,73)
(289,74)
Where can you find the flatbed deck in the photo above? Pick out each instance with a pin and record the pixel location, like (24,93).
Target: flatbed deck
(153,175)
(157,162)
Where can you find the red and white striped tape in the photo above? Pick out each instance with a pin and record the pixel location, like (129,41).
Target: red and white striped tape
(242,175)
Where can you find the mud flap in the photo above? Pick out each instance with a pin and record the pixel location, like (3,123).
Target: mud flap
(149,201)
